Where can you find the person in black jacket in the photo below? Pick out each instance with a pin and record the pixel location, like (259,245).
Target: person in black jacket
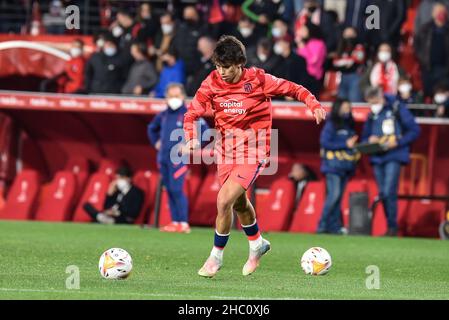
(206,46)
(123,201)
(105,72)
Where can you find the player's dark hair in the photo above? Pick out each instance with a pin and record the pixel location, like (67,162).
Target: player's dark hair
(336,118)
(229,51)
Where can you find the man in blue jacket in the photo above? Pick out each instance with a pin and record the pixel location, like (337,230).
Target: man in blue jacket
(391,124)
(173,175)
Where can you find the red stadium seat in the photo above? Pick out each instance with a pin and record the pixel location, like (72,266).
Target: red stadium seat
(205,209)
(22,197)
(424,218)
(57,204)
(164,212)
(331,83)
(275,215)
(108,167)
(95,194)
(143,180)
(308,213)
(80,168)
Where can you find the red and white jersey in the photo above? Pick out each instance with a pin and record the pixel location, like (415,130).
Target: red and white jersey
(245,105)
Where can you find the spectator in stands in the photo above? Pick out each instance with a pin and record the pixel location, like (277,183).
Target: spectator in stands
(206,46)
(172,71)
(338,163)
(186,40)
(99,40)
(292,67)
(432,48)
(262,13)
(313,13)
(264,56)
(173,175)
(350,60)
(105,72)
(123,201)
(424,12)
(355,16)
(148,23)
(279,31)
(163,40)
(392,125)
(311,46)
(384,73)
(125,30)
(142,76)
(300,174)
(54,20)
(405,91)
(392,15)
(247,32)
(441,99)
(71,80)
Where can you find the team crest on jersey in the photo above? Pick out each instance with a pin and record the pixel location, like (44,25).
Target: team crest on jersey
(248,87)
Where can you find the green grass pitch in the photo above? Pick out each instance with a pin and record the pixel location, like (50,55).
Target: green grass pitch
(34,257)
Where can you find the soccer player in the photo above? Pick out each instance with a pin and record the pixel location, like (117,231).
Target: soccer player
(240,99)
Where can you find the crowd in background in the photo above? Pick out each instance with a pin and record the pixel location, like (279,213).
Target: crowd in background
(299,40)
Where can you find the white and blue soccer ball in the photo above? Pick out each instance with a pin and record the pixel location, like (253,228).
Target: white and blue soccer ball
(316,261)
(115,263)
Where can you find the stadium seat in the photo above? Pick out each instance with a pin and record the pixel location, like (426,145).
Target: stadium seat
(95,194)
(108,167)
(331,83)
(56,204)
(80,168)
(307,216)
(275,215)
(424,218)
(143,180)
(22,197)
(352,186)
(204,211)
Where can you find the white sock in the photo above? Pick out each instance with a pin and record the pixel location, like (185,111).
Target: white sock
(217,253)
(255,244)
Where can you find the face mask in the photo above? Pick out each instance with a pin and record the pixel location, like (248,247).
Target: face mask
(440,98)
(278,49)
(262,57)
(405,88)
(175,103)
(100,43)
(167,28)
(376,108)
(122,184)
(276,32)
(117,31)
(246,32)
(384,56)
(75,52)
(109,51)
(350,40)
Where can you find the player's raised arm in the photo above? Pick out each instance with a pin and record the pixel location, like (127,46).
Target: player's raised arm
(275,86)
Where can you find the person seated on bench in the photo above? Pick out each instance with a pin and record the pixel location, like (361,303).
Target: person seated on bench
(123,201)
(300,174)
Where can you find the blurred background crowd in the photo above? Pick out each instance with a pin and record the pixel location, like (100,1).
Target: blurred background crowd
(336,48)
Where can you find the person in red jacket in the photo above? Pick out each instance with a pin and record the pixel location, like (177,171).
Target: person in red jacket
(72,79)
(240,100)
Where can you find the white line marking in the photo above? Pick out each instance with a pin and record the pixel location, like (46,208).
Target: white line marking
(155,295)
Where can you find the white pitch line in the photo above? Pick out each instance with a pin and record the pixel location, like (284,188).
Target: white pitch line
(155,295)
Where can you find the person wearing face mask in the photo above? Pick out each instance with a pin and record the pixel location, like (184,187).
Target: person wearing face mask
(279,31)
(72,79)
(105,71)
(149,24)
(431,45)
(247,33)
(263,57)
(164,39)
(338,164)
(123,201)
(441,99)
(393,126)
(172,71)
(173,175)
(384,72)
(142,76)
(350,60)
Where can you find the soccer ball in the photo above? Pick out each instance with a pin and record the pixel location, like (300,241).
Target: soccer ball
(316,261)
(115,263)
